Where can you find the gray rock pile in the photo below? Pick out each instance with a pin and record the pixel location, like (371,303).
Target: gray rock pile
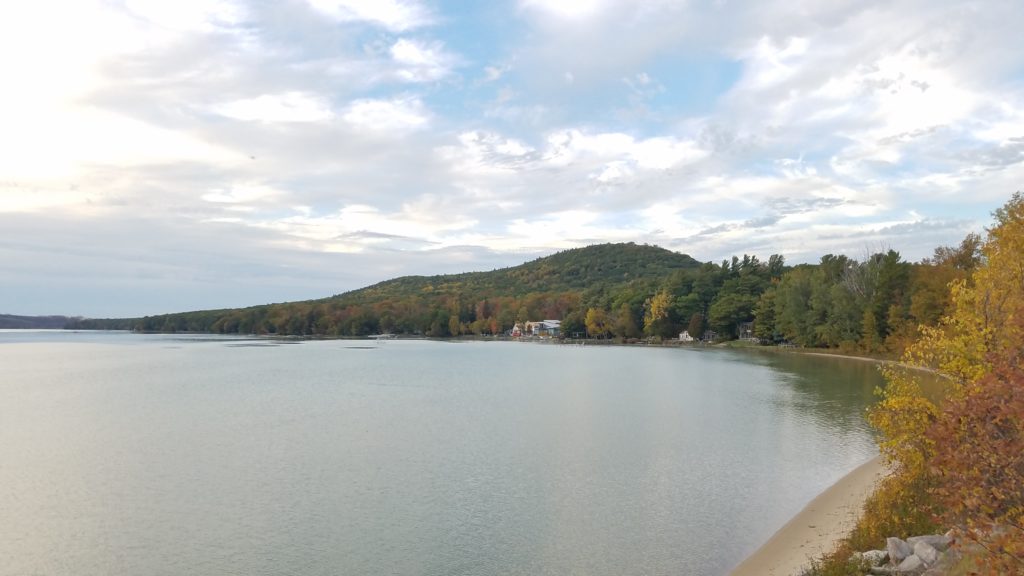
(916,556)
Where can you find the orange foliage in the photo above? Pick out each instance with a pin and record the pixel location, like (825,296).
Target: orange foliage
(978,468)
(968,458)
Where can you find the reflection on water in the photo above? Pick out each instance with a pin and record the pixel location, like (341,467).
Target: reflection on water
(171,455)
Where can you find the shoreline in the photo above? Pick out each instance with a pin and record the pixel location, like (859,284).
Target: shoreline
(818,528)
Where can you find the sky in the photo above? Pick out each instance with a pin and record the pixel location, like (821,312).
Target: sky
(164,156)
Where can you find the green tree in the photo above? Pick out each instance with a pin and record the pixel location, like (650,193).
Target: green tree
(696,326)
(727,311)
(573,324)
(792,310)
(870,341)
(625,323)
(764,316)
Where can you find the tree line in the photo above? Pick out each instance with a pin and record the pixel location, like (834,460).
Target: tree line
(626,291)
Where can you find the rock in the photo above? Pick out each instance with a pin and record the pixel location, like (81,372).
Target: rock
(947,560)
(897,549)
(938,541)
(925,552)
(874,557)
(911,565)
(882,571)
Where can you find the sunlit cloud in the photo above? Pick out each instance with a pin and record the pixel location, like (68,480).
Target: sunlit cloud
(421,62)
(348,141)
(287,107)
(395,15)
(395,116)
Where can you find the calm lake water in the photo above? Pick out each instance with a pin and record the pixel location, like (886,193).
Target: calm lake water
(164,455)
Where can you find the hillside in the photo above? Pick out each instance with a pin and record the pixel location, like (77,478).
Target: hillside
(600,265)
(625,291)
(442,305)
(9,321)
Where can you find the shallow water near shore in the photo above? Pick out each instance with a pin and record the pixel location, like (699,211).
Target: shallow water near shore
(157,454)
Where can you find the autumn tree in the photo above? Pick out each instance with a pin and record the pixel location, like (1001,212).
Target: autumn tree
(968,456)
(656,315)
(978,467)
(596,322)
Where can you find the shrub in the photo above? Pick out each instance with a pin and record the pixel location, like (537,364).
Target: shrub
(978,468)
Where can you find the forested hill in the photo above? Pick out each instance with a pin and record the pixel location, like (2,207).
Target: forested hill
(628,291)
(548,287)
(9,321)
(600,266)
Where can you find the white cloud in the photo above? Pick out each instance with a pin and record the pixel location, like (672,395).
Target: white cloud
(613,171)
(189,15)
(356,227)
(818,128)
(769,63)
(659,153)
(549,231)
(482,152)
(286,107)
(396,116)
(566,9)
(394,15)
(242,193)
(421,61)
(492,73)
(64,144)
(602,158)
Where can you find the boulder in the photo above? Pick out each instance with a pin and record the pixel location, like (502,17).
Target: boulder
(897,549)
(947,560)
(940,542)
(911,565)
(875,557)
(925,552)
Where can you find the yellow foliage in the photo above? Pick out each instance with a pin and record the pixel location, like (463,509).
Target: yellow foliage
(657,308)
(983,330)
(966,460)
(903,416)
(982,325)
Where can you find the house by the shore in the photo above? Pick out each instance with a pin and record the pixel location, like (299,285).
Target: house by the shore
(539,329)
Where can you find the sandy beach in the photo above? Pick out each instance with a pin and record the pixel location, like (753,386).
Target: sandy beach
(817,528)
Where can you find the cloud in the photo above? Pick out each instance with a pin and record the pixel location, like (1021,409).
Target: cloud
(394,15)
(240,194)
(481,152)
(492,73)
(286,107)
(566,9)
(421,61)
(394,116)
(788,205)
(343,142)
(189,15)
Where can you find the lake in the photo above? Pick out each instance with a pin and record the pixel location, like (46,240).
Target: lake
(169,455)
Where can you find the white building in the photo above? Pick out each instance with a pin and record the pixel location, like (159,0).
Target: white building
(543,328)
